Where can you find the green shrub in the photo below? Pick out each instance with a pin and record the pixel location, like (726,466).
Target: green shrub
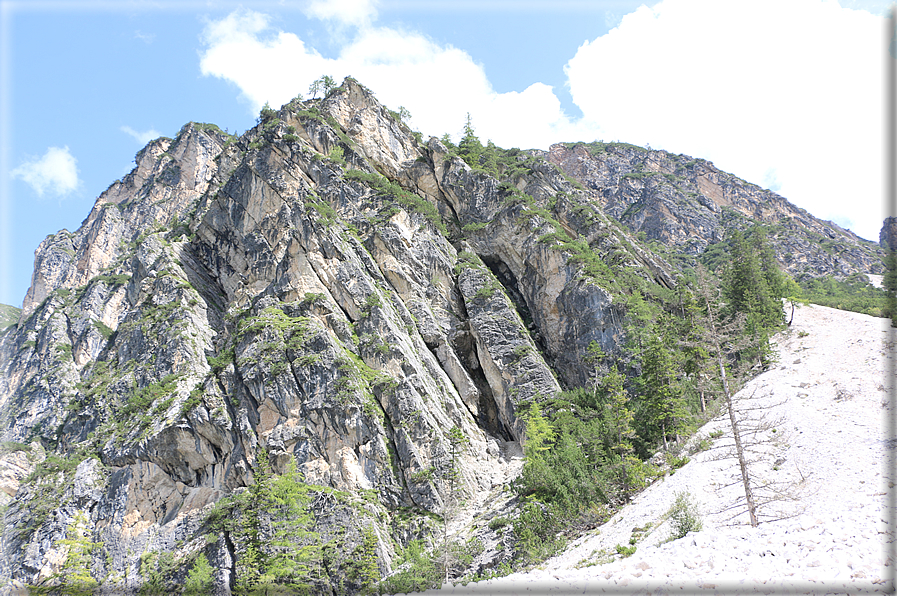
(498,522)
(677,462)
(422,573)
(626,551)
(104,329)
(144,397)
(684,516)
(222,360)
(407,199)
(337,155)
(702,445)
(474,227)
(199,579)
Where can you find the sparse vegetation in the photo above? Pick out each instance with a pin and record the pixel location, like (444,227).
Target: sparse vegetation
(684,516)
(392,190)
(9,316)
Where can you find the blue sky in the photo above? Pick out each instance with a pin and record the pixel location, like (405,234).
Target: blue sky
(783,93)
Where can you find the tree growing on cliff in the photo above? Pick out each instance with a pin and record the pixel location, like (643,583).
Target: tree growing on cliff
(470,148)
(447,556)
(75,578)
(199,579)
(281,552)
(618,420)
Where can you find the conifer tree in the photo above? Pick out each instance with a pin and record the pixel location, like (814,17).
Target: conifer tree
(618,422)
(281,553)
(77,579)
(199,578)
(295,555)
(752,430)
(890,285)
(661,389)
(315,87)
(470,148)
(753,286)
(539,434)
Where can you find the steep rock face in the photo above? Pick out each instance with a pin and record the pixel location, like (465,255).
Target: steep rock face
(327,294)
(887,239)
(324,292)
(689,204)
(169,177)
(276,293)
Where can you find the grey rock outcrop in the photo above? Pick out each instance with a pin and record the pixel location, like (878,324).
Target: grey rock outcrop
(689,204)
(887,239)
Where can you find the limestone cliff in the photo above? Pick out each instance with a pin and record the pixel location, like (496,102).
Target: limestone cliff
(325,289)
(689,204)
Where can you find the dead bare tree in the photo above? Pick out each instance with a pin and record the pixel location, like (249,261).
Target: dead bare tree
(752,429)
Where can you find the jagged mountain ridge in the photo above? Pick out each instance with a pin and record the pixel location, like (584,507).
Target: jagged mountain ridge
(325,287)
(688,204)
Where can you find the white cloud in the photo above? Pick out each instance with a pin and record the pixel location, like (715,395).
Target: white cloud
(346,12)
(146,38)
(56,172)
(141,137)
(791,88)
(784,94)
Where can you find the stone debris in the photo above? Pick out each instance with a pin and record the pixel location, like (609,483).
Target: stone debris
(835,542)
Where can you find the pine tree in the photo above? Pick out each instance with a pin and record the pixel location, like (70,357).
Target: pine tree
(618,422)
(746,289)
(469,148)
(715,335)
(662,391)
(315,87)
(539,434)
(295,553)
(281,552)
(77,579)
(252,563)
(890,285)
(199,579)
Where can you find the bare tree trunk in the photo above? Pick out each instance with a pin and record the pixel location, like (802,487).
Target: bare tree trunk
(739,450)
(749,497)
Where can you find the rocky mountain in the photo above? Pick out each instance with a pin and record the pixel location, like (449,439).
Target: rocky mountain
(9,315)
(688,204)
(327,294)
(888,236)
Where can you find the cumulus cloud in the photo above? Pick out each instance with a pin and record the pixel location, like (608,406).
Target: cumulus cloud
(141,137)
(55,173)
(766,86)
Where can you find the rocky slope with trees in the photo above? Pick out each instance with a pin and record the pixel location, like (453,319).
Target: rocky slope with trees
(302,359)
(689,204)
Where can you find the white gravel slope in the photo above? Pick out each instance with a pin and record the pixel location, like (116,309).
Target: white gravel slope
(828,394)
